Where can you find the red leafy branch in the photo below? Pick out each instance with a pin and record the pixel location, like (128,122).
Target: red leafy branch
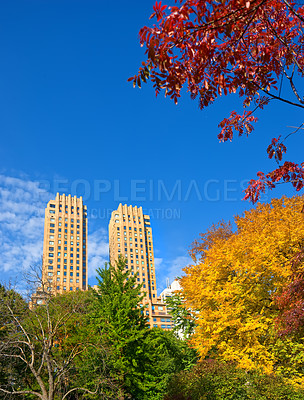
(224,47)
(288,172)
(291,301)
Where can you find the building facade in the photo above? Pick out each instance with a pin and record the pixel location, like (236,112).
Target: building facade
(130,235)
(65,258)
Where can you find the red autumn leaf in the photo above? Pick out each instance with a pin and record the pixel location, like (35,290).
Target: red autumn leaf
(227,47)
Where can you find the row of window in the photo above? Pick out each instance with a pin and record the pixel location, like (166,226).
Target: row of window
(50,261)
(52,212)
(64,273)
(50,267)
(66,255)
(66,236)
(163,326)
(52,205)
(66,231)
(66,220)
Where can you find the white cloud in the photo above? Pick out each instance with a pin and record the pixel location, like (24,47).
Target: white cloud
(170,269)
(98,250)
(22,204)
(158,262)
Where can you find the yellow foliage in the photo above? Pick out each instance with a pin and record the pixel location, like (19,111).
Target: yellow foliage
(232,286)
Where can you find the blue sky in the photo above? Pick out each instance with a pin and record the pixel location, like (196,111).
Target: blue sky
(70,122)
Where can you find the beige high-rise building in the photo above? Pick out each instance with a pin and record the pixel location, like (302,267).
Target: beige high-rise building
(65,259)
(130,235)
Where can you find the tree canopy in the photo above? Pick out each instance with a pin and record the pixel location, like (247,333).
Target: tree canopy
(223,47)
(234,285)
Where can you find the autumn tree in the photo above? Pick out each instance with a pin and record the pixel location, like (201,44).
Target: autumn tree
(213,380)
(234,285)
(49,344)
(290,301)
(216,48)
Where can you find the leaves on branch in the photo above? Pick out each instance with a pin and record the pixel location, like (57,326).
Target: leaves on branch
(231,46)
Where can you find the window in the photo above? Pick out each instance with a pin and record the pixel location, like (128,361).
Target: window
(52,219)
(52,205)
(58,272)
(50,273)
(51,254)
(52,231)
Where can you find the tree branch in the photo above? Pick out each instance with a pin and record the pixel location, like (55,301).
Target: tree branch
(23,392)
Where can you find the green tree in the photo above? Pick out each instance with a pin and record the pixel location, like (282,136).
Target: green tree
(165,355)
(142,360)
(182,317)
(11,369)
(123,323)
(49,343)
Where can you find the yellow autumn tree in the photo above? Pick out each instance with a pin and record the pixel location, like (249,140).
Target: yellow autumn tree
(233,283)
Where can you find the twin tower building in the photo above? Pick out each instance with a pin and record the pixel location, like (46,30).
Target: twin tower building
(65,250)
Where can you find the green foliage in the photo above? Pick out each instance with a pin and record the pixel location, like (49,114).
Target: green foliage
(123,324)
(141,360)
(165,355)
(11,303)
(182,318)
(210,380)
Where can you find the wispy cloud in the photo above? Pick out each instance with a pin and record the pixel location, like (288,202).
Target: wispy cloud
(170,269)
(98,250)
(22,204)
